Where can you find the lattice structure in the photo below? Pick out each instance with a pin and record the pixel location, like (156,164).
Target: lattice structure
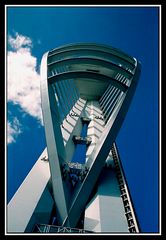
(129,213)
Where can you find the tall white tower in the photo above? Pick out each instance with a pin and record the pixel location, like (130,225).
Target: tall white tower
(77,184)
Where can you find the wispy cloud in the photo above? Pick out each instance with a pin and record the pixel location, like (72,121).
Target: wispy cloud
(23,81)
(19,41)
(13,130)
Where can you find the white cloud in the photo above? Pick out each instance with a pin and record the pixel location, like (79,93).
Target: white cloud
(23,81)
(19,41)
(13,130)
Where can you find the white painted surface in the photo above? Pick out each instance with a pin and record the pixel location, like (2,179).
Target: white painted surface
(95,126)
(105,212)
(92,215)
(112,212)
(23,203)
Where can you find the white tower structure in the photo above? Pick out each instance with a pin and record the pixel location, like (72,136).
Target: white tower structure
(78,185)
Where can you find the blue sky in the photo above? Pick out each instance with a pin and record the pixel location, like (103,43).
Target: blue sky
(34,30)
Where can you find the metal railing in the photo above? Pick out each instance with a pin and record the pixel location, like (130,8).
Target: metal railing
(45,228)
